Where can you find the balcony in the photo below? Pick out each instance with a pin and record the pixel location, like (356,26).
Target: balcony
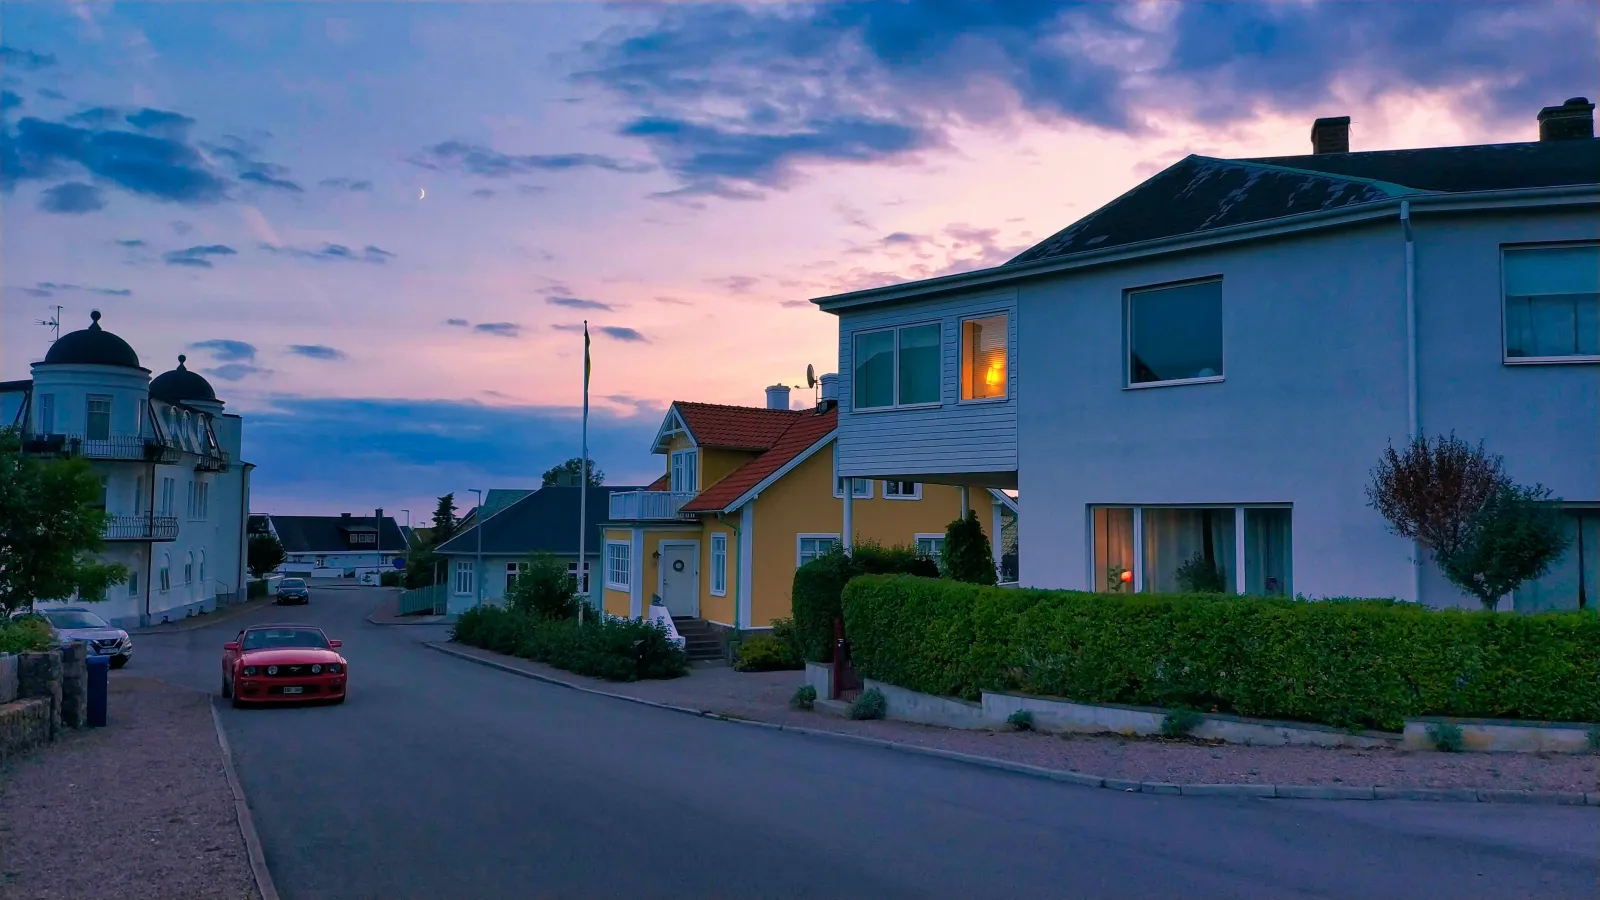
(141,528)
(649,506)
(119,447)
(212,461)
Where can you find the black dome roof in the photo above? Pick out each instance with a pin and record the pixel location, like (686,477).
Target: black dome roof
(181,384)
(92,346)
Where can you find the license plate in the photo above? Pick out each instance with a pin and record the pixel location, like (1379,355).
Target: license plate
(294,690)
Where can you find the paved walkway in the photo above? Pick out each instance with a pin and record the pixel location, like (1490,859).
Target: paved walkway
(387,612)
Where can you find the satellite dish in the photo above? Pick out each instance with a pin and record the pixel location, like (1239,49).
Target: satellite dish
(811,376)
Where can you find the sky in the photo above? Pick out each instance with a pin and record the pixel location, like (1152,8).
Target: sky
(377,228)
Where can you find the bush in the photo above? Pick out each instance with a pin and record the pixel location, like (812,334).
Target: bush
(391,578)
(1349,664)
(613,649)
(1180,722)
(254,589)
(544,589)
(819,584)
(765,653)
(967,554)
(870,705)
(1446,737)
(805,697)
(25,635)
(784,631)
(1021,720)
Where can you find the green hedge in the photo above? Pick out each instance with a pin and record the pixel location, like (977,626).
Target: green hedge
(613,649)
(25,635)
(819,584)
(254,589)
(1347,663)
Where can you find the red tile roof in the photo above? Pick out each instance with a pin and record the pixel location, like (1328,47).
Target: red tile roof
(661,484)
(736,427)
(804,430)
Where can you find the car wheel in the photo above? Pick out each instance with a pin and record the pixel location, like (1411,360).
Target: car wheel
(227,688)
(237,703)
(337,700)
(118,662)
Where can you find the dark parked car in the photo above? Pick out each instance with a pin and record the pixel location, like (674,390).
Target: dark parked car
(293,590)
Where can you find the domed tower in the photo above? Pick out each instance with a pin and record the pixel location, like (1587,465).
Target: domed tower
(183,386)
(91,388)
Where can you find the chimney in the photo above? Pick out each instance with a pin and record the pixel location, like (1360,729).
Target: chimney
(1331,135)
(830,391)
(778,397)
(1572,120)
(344,515)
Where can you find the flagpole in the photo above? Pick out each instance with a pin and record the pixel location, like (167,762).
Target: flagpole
(583,481)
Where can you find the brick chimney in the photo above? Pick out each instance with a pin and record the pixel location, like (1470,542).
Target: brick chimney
(1572,120)
(1331,135)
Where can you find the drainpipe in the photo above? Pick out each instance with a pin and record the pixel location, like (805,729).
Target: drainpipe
(1413,427)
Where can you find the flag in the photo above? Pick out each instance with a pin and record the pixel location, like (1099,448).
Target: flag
(586,359)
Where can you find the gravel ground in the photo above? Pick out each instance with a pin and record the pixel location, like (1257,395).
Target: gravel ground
(139,810)
(764,696)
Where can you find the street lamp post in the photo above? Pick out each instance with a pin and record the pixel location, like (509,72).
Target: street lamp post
(477,571)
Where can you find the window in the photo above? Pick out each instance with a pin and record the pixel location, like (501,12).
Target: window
(983,358)
(859,487)
(190,508)
(931,546)
(133,583)
(1552,303)
(719,565)
(513,569)
(188,568)
(901,490)
(1175,333)
(897,367)
(169,494)
(205,499)
(202,567)
(47,413)
(811,546)
(97,423)
(1186,549)
(619,568)
(166,572)
(1573,581)
(359,538)
(463,579)
(572,573)
(686,470)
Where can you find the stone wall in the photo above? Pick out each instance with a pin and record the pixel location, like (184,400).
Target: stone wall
(24,724)
(8,677)
(39,676)
(74,685)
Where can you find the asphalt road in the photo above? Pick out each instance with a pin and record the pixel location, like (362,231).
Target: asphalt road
(444,779)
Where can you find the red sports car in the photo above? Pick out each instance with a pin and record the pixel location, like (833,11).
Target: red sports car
(283,664)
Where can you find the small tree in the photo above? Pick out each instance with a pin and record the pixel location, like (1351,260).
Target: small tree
(421,562)
(1487,534)
(967,554)
(571,472)
(444,520)
(545,589)
(51,524)
(263,554)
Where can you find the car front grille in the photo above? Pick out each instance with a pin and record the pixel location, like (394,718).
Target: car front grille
(302,671)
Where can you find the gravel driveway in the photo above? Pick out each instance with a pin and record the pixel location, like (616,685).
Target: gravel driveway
(139,810)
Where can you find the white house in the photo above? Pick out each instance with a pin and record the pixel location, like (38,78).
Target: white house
(168,457)
(1209,366)
(342,546)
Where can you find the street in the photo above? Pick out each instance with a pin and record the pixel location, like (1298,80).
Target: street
(441,778)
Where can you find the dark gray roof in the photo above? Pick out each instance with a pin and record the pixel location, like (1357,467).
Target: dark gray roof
(545,521)
(21,386)
(326,534)
(1199,193)
(93,346)
(181,384)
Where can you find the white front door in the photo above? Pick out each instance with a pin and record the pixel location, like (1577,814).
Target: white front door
(680,579)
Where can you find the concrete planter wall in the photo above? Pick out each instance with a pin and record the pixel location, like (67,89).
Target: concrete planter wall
(820,677)
(1504,736)
(926,709)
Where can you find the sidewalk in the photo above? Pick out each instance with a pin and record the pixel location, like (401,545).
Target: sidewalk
(189,623)
(387,613)
(138,810)
(765,696)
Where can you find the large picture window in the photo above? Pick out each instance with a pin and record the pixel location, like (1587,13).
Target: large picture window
(1174,334)
(619,570)
(1552,303)
(897,367)
(983,358)
(1191,549)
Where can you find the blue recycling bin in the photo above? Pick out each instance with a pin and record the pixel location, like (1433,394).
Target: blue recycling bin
(99,683)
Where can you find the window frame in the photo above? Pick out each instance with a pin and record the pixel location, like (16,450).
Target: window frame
(1236,565)
(47,414)
(938,552)
(1505,325)
(89,402)
(691,466)
(719,564)
(626,557)
(799,545)
(961,350)
(1128,384)
(514,569)
(895,390)
(916,494)
(580,578)
(838,491)
(463,567)
(166,572)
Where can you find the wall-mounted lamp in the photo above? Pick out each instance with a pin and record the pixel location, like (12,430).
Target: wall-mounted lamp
(656,555)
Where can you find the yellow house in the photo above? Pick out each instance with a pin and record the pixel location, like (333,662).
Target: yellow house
(748,496)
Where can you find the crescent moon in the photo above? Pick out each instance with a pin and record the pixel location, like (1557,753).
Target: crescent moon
(422,193)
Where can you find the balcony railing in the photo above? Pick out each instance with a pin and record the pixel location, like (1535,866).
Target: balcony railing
(212,461)
(649,505)
(142,528)
(123,447)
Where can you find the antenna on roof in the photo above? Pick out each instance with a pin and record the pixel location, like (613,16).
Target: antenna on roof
(53,323)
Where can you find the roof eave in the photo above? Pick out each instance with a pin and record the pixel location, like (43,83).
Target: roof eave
(778,473)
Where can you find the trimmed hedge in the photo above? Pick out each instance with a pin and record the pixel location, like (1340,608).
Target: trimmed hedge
(1347,663)
(613,649)
(819,584)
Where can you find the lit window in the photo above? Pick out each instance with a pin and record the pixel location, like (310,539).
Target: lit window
(719,565)
(1175,333)
(897,367)
(810,546)
(983,358)
(619,557)
(1193,549)
(1552,303)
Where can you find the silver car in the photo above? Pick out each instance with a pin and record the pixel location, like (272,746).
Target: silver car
(74,623)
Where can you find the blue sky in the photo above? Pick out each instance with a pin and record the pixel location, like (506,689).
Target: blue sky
(376,226)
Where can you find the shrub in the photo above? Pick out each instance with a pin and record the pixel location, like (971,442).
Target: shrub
(1180,722)
(1021,720)
(26,634)
(613,649)
(254,589)
(1446,737)
(870,705)
(784,631)
(967,554)
(765,653)
(818,585)
(1349,664)
(544,589)
(1594,740)
(805,697)
(391,578)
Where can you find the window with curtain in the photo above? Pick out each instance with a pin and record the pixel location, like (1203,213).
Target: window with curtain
(719,565)
(1175,333)
(1113,550)
(618,559)
(1267,551)
(1552,302)
(1184,549)
(97,422)
(1573,581)
(896,367)
(983,358)
(1188,550)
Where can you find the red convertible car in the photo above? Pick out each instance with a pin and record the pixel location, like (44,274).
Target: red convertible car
(283,664)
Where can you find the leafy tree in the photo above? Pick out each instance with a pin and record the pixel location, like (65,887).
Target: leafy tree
(263,554)
(967,554)
(544,589)
(571,471)
(444,519)
(51,524)
(1487,534)
(422,564)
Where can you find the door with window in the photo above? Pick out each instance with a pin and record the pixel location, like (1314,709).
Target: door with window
(680,578)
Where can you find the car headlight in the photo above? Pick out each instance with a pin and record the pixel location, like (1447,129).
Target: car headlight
(334,668)
(249,671)
(272,670)
(316,669)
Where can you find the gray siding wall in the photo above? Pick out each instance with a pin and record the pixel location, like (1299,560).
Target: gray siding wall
(953,438)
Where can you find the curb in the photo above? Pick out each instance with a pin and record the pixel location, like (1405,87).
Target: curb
(241,809)
(1267,791)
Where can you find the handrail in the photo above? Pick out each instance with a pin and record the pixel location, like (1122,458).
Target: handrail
(654,505)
